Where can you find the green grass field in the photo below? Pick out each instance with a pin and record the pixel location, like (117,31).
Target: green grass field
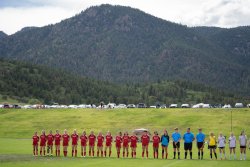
(17,127)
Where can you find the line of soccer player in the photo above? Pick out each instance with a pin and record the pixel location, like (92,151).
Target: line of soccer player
(123,141)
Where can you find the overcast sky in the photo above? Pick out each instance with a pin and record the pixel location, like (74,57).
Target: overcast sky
(16,14)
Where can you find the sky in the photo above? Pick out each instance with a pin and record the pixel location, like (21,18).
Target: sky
(17,14)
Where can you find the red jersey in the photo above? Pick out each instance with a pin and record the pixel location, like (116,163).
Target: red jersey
(133,140)
(57,138)
(74,138)
(42,140)
(156,140)
(145,140)
(100,140)
(125,140)
(65,138)
(83,140)
(35,140)
(50,139)
(109,139)
(92,139)
(118,140)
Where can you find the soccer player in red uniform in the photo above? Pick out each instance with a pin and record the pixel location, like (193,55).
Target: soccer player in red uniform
(133,145)
(42,143)
(66,139)
(125,140)
(92,139)
(109,140)
(156,140)
(35,139)
(84,140)
(74,138)
(57,137)
(118,142)
(50,139)
(100,140)
(145,141)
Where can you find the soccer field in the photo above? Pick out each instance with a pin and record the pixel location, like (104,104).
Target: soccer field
(18,126)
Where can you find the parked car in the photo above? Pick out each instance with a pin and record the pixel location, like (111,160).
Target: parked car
(227,106)
(239,105)
(111,105)
(130,106)
(6,106)
(122,106)
(173,106)
(152,106)
(201,105)
(141,105)
(16,106)
(185,106)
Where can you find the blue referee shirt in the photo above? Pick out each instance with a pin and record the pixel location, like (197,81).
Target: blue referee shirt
(200,137)
(176,136)
(188,137)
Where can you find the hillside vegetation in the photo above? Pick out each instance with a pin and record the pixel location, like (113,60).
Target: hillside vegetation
(125,45)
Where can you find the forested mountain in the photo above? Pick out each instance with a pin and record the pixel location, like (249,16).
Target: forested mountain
(36,84)
(125,45)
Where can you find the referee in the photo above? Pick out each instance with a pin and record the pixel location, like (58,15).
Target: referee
(188,138)
(176,136)
(200,138)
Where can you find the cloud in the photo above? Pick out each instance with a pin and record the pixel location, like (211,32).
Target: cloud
(16,14)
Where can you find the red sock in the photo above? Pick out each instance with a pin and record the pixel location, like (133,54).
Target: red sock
(105,153)
(157,154)
(123,153)
(64,153)
(142,153)
(34,152)
(75,153)
(72,153)
(89,153)
(58,153)
(84,153)
(41,153)
(93,153)
(135,154)
(110,153)
(147,153)
(102,153)
(154,154)
(132,154)
(118,154)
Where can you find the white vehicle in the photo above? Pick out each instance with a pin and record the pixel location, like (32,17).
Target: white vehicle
(131,106)
(239,105)
(111,105)
(27,107)
(185,106)
(1,106)
(173,106)
(152,106)
(72,106)
(248,105)
(201,105)
(81,106)
(122,106)
(227,106)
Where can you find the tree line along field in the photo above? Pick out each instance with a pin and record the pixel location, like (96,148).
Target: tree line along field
(18,126)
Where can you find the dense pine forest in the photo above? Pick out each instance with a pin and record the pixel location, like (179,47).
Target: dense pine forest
(38,84)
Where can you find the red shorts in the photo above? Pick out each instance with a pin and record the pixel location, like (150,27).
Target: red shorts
(108,144)
(144,144)
(156,145)
(91,144)
(57,143)
(133,145)
(83,144)
(74,143)
(99,145)
(65,143)
(42,144)
(125,145)
(118,145)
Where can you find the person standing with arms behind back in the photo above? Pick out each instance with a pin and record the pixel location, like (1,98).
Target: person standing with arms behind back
(212,145)
(200,138)
(66,139)
(156,140)
(164,143)
(232,145)
(176,136)
(92,139)
(35,139)
(74,138)
(43,139)
(188,138)
(221,143)
(57,142)
(243,145)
